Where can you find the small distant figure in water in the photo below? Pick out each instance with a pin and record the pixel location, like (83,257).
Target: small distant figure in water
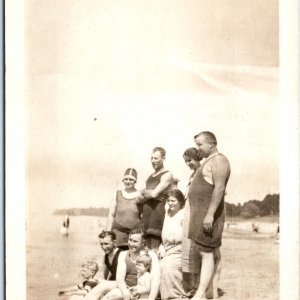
(88,271)
(255,227)
(277,234)
(66,222)
(64,230)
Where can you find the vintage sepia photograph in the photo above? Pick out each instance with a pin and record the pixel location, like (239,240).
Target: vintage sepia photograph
(151,150)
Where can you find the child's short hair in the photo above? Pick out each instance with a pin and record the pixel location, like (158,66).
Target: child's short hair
(106,233)
(91,265)
(144,259)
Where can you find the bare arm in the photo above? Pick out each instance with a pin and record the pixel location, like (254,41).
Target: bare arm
(68,289)
(111,214)
(72,290)
(144,287)
(121,274)
(155,276)
(220,173)
(77,292)
(165,181)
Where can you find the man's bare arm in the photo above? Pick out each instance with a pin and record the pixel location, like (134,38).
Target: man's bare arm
(220,173)
(165,181)
(121,274)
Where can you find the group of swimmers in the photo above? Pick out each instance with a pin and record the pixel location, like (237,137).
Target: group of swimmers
(152,240)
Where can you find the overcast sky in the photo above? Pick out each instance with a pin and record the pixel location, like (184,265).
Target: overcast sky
(108,81)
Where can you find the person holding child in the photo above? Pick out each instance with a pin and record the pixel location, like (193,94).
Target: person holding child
(88,272)
(124,212)
(127,271)
(171,286)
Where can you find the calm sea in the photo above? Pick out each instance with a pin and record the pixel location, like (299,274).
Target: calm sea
(53,260)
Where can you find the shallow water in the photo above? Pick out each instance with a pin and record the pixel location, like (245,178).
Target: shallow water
(53,260)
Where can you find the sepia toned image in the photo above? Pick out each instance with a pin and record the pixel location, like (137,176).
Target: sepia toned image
(151,150)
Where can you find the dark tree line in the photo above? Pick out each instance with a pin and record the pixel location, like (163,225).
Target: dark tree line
(267,207)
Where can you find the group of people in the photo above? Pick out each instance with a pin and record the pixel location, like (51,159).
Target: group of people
(161,243)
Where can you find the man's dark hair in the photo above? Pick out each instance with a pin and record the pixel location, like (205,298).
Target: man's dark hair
(106,233)
(161,150)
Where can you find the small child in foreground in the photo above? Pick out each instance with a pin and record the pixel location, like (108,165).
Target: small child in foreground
(88,271)
(142,289)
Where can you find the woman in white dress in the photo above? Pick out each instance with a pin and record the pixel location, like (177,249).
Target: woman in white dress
(171,286)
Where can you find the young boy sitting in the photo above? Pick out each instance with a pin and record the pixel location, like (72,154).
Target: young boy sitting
(142,264)
(89,270)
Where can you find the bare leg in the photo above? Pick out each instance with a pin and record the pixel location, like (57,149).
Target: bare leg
(196,279)
(190,282)
(100,290)
(207,270)
(212,291)
(114,294)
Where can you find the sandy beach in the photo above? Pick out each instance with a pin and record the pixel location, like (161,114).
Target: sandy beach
(250,266)
(250,260)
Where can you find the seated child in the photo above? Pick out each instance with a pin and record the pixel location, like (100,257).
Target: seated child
(89,270)
(142,289)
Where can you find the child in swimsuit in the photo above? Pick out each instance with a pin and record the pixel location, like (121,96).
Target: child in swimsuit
(88,271)
(143,263)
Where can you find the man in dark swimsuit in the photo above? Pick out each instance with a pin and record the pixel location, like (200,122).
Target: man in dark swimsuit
(107,241)
(207,215)
(154,197)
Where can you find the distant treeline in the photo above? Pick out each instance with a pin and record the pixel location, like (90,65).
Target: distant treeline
(91,211)
(267,207)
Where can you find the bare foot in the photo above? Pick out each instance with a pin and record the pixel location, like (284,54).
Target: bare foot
(191,293)
(212,294)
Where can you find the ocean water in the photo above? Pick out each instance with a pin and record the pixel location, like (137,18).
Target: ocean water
(52,260)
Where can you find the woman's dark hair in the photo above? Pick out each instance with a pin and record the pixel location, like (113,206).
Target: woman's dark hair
(193,153)
(176,193)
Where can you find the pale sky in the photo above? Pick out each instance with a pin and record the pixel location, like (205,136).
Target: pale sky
(108,81)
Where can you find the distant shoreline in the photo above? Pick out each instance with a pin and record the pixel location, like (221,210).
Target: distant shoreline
(91,211)
(103,212)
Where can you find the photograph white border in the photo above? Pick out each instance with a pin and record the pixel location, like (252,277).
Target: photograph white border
(15,150)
